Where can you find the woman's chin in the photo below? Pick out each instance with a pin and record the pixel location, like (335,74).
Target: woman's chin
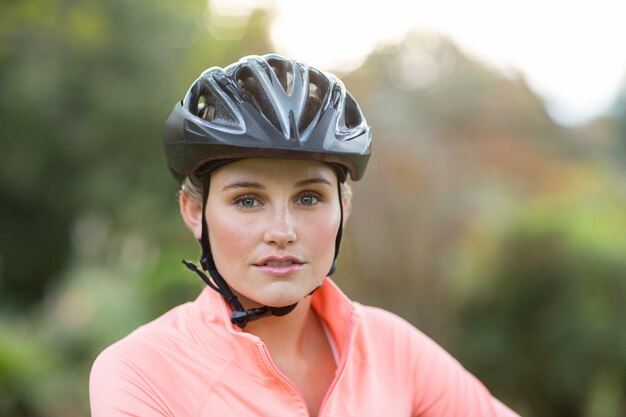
(277,296)
(276,300)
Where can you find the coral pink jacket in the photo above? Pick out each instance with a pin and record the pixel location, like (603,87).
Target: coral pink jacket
(193,362)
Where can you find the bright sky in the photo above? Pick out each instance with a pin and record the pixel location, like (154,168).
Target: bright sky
(571,52)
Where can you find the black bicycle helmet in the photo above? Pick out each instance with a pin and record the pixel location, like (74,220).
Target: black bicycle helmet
(263,107)
(266,106)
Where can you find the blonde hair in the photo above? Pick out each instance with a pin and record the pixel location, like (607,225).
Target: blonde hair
(192,187)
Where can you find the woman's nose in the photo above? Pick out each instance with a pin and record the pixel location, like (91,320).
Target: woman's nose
(281,229)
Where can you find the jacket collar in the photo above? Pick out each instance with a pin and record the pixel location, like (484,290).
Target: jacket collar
(212,314)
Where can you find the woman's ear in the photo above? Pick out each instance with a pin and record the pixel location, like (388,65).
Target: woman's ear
(191,210)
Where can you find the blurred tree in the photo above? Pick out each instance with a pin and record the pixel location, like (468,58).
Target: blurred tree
(86,87)
(453,139)
(545,325)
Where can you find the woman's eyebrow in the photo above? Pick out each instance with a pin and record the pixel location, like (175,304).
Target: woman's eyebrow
(257,186)
(244,184)
(310,181)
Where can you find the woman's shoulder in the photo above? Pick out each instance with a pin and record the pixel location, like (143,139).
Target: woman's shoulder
(174,334)
(410,355)
(145,341)
(398,334)
(379,319)
(165,359)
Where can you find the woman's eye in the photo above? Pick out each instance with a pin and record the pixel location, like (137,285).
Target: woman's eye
(308,199)
(247,202)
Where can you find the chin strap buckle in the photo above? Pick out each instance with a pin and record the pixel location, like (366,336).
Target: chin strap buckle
(242,317)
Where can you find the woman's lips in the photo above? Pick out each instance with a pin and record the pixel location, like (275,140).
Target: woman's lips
(279,266)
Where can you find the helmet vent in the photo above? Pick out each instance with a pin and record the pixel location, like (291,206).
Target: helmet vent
(284,72)
(206,105)
(247,83)
(206,110)
(256,96)
(352,114)
(317,91)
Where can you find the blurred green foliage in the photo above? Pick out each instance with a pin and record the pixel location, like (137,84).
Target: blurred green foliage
(550,308)
(491,228)
(81,80)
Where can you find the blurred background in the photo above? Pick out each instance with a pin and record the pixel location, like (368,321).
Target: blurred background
(492,216)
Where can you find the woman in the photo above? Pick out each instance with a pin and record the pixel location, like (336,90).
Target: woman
(263,148)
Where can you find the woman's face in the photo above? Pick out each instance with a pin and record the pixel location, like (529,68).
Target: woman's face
(272,227)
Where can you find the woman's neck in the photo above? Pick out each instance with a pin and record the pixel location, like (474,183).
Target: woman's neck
(286,335)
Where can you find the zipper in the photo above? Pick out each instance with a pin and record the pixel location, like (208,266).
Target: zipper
(348,339)
(271,366)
